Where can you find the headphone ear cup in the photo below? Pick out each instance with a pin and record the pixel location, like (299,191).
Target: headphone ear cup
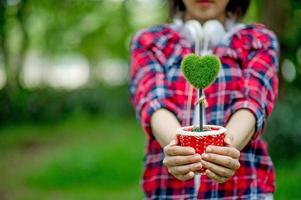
(214,31)
(195,29)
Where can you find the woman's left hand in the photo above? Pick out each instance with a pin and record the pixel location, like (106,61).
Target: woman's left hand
(221,162)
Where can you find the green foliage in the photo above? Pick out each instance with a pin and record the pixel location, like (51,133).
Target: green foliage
(196,129)
(51,105)
(283,127)
(200,71)
(95,29)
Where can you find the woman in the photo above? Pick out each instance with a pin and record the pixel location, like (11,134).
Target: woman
(241,99)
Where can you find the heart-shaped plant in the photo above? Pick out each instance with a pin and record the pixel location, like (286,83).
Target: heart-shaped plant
(200,72)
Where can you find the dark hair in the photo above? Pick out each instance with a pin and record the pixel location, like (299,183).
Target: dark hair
(237,8)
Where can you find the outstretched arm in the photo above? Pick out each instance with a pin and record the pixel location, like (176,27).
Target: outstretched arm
(241,128)
(164,125)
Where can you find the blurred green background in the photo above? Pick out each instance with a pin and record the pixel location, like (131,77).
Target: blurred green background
(67,129)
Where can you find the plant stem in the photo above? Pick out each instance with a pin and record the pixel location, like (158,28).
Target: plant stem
(201,110)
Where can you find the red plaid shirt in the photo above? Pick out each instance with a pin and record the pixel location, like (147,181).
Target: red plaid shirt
(248,79)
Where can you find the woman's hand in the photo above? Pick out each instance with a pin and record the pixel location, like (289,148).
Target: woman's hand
(181,162)
(221,162)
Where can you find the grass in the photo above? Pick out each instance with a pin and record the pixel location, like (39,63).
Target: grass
(81,158)
(89,158)
(288,179)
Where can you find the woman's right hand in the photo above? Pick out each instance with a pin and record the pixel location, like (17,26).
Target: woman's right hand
(182,162)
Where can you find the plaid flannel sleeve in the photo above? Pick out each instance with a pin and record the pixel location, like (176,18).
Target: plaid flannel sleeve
(260,77)
(149,89)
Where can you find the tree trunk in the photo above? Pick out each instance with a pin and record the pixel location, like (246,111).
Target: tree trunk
(13,65)
(274,14)
(3,42)
(21,17)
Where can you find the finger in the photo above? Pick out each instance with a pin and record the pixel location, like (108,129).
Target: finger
(225,161)
(219,170)
(215,177)
(184,169)
(178,150)
(185,177)
(173,142)
(226,151)
(170,161)
(228,140)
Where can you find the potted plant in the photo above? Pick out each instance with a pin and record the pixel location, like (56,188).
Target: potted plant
(200,72)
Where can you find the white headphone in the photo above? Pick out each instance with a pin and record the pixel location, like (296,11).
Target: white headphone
(210,34)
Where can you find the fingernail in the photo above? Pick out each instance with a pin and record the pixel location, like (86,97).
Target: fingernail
(208,149)
(205,155)
(198,156)
(191,174)
(204,163)
(198,165)
(192,151)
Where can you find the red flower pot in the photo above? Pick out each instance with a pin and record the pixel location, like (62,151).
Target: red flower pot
(212,135)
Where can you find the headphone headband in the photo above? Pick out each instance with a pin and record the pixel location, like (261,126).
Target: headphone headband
(195,29)
(210,34)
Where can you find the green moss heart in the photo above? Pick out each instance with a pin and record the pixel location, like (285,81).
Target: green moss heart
(200,72)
